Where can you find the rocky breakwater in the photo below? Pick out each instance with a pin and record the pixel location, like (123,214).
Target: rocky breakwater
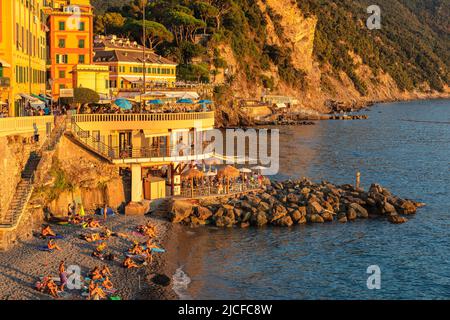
(289,203)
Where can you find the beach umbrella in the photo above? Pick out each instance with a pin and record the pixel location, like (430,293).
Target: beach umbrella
(228,173)
(155,101)
(123,104)
(192,174)
(245,170)
(205,102)
(185,101)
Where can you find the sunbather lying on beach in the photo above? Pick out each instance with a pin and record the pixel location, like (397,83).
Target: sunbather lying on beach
(106,234)
(128,263)
(76,220)
(95,274)
(94,224)
(136,249)
(51,245)
(106,272)
(52,288)
(107,284)
(47,232)
(97,293)
(92,237)
(148,230)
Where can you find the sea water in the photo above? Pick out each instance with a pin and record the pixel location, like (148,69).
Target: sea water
(404,147)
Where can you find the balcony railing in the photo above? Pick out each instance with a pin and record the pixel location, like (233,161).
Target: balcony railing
(142,117)
(117,153)
(18,125)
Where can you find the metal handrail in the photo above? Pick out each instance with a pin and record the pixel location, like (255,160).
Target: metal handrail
(143,117)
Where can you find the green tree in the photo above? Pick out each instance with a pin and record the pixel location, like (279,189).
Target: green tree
(205,11)
(110,22)
(184,26)
(83,96)
(156,33)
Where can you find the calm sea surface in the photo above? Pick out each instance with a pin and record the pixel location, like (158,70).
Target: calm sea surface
(403,146)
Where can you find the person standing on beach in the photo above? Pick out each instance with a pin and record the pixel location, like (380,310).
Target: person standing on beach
(62,276)
(105,212)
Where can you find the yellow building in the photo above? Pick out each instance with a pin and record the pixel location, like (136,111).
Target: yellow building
(125,61)
(70,40)
(22,54)
(93,77)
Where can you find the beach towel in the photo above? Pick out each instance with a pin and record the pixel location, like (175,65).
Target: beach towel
(46,249)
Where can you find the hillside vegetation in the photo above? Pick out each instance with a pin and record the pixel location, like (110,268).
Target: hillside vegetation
(313,49)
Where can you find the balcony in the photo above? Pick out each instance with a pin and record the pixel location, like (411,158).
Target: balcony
(140,121)
(5,82)
(82,125)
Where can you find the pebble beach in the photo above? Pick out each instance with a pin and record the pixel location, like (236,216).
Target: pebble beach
(23,265)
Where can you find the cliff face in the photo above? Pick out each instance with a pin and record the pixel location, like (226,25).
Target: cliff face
(334,71)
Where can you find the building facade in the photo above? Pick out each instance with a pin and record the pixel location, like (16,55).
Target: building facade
(69,40)
(92,77)
(124,59)
(22,54)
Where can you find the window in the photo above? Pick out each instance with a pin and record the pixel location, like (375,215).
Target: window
(61,43)
(81,58)
(62,86)
(62,26)
(1,71)
(62,59)
(81,43)
(62,74)
(82,26)
(107,84)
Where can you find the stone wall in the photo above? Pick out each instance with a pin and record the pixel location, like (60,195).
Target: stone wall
(31,220)
(14,154)
(95,180)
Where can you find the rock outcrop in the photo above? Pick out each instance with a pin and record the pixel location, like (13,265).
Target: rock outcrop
(289,203)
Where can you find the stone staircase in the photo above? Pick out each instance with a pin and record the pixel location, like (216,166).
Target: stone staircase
(23,191)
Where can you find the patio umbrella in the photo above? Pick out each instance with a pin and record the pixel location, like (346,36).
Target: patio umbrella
(259,169)
(185,101)
(192,174)
(156,101)
(205,102)
(245,170)
(228,173)
(123,104)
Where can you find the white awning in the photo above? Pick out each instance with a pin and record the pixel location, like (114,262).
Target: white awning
(281,106)
(153,134)
(4,64)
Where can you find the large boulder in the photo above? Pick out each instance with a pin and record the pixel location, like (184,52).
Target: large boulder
(259,219)
(351,214)
(314,218)
(292,198)
(286,221)
(277,213)
(361,212)
(342,217)
(407,207)
(180,210)
(203,213)
(224,221)
(314,208)
(396,219)
(327,216)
